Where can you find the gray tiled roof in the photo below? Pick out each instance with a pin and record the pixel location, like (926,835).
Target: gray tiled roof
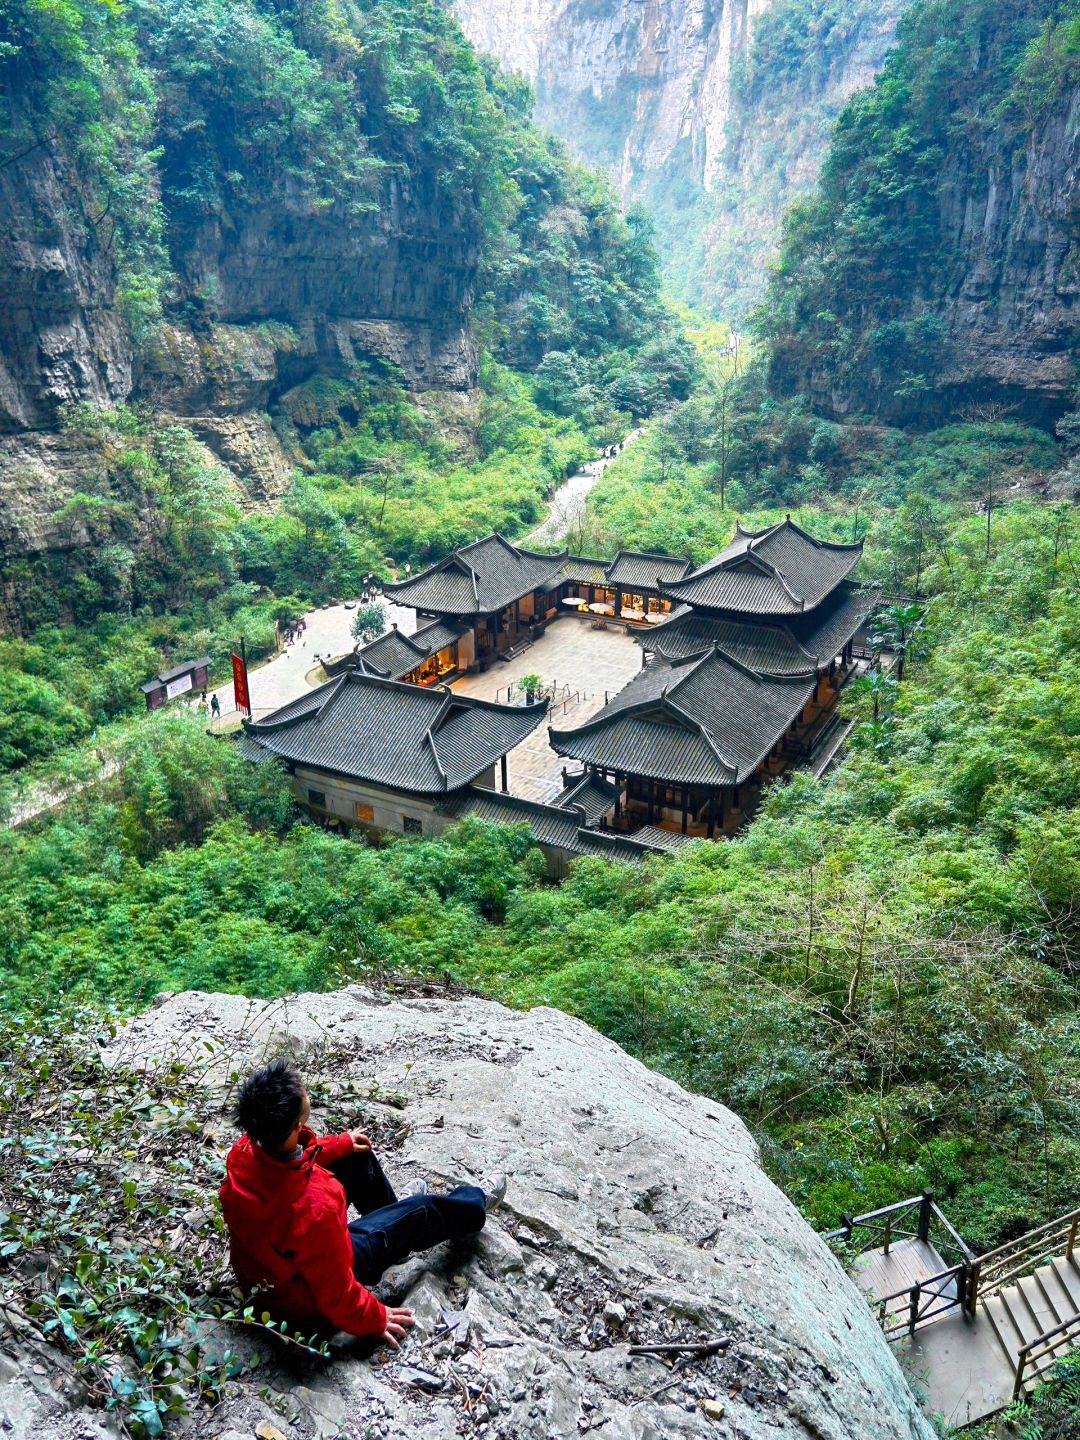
(478,579)
(779,571)
(804,643)
(394,734)
(585,570)
(770,648)
(832,625)
(636,567)
(203,662)
(667,840)
(390,655)
(555,828)
(394,654)
(589,793)
(703,720)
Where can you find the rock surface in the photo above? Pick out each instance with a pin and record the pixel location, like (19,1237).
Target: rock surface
(651,91)
(636,1212)
(296,295)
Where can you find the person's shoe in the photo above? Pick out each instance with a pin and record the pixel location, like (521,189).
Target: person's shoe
(494,1188)
(418,1187)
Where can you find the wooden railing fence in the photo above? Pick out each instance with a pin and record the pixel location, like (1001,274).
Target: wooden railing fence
(1019,1257)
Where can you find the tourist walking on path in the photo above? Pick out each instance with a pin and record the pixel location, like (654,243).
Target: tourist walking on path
(215,708)
(285,1201)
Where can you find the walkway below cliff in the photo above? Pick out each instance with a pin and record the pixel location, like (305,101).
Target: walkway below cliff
(568,506)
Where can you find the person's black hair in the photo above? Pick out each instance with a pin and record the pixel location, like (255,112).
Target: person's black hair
(270,1102)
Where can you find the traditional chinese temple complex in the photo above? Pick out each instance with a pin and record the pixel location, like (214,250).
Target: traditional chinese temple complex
(743,659)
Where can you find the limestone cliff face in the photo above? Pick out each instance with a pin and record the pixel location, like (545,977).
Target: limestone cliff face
(635,1212)
(61,338)
(997,291)
(281,294)
(654,90)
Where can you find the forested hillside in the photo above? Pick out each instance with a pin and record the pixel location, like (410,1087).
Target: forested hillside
(291,292)
(936,269)
(244,240)
(300,293)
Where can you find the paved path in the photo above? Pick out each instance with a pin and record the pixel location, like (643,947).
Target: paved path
(585,665)
(285,675)
(568,506)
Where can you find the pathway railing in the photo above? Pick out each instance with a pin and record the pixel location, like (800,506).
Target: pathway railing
(1041,1354)
(913,1219)
(919,1218)
(903,1312)
(1016,1258)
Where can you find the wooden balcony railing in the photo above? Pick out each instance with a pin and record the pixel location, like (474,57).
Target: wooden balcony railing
(914,1219)
(905,1311)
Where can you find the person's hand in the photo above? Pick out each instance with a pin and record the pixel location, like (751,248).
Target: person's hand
(360,1141)
(398,1322)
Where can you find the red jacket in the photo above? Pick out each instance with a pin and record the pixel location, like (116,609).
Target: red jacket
(287,1234)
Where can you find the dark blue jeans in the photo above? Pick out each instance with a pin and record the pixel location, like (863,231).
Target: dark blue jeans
(389,1229)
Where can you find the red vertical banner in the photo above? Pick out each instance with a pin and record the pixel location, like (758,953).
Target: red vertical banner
(240,685)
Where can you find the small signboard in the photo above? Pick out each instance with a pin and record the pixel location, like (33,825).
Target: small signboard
(180,680)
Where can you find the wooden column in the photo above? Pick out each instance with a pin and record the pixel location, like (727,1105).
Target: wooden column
(618,798)
(711,831)
(505,777)
(618,602)
(685,808)
(652,801)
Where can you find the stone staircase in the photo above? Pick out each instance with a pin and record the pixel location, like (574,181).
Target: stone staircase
(974,1332)
(1023,1316)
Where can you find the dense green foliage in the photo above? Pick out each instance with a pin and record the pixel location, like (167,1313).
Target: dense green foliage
(734,450)
(879,975)
(182,114)
(862,258)
(798,42)
(1053,1411)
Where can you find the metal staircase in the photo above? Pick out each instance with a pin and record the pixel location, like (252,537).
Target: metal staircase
(977,1332)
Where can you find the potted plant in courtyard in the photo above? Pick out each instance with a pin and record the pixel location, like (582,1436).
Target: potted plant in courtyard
(531,686)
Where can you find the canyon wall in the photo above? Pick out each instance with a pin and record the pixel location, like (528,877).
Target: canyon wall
(264,298)
(677,100)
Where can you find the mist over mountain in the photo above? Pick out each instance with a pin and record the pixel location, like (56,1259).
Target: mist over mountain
(713,113)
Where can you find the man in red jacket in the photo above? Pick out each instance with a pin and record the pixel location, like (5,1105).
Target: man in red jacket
(285,1203)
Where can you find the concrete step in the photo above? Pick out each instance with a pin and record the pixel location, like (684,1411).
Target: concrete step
(1001,1322)
(1039,1303)
(1068,1277)
(1054,1294)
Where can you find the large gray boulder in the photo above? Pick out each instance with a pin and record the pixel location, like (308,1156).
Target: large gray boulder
(636,1212)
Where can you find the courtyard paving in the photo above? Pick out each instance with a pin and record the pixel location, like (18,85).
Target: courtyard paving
(584,666)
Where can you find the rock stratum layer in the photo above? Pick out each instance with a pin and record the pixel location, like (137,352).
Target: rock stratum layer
(635,1212)
(658,93)
(295,294)
(945,284)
